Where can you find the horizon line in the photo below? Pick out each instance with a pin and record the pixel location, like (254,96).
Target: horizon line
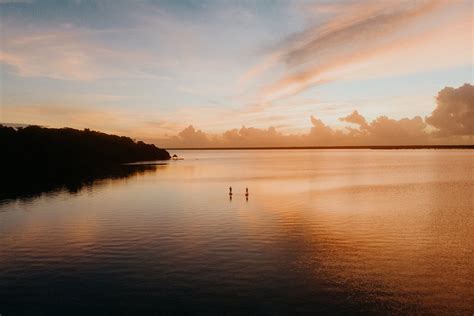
(388,147)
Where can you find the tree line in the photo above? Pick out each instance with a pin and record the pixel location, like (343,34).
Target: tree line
(70,149)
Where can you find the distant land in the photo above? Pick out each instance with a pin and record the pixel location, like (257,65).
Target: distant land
(36,159)
(50,150)
(17,125)
(337,147)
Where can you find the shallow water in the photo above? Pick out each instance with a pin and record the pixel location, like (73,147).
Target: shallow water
(369,231)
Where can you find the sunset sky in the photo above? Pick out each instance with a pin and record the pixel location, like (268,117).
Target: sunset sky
(291,72)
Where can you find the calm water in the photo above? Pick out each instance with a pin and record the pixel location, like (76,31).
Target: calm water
(322,231)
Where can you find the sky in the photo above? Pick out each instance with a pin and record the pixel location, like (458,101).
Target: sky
(242,73)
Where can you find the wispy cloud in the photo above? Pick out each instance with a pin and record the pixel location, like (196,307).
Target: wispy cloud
(69,53)
(172,63)
(364,31)
(131,41)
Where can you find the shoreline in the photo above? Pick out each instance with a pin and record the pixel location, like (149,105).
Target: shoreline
(334,147)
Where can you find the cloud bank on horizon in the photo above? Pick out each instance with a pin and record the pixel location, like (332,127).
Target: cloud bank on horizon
(451,122)
(150,68)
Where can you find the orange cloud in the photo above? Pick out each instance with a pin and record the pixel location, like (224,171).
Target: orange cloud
(454,114)
(381,131)
(370,38)
(454,117)
(355,118)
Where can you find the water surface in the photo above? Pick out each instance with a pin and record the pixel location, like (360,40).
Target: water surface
(369,231)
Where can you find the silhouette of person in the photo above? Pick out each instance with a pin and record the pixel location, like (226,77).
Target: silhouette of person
(230,190)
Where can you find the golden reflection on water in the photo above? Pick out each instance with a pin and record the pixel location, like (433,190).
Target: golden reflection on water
(393,229)
(397,240)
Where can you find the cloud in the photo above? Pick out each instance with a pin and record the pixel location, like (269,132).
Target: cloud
(258,69)
(454,114)
(381,131)
(365,22)
(90,41)
(368,38)
(355,118)
(69,53)
(384,130)
(453,117)
(190,136)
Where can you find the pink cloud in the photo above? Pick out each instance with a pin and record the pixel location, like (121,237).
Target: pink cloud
(369,38)
(453,116)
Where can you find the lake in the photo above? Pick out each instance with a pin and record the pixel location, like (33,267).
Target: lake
(328,231)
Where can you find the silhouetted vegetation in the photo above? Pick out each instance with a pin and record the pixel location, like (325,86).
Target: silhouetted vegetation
(35,159)
(67,147)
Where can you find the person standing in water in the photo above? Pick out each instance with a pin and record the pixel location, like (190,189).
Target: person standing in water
(230,190)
